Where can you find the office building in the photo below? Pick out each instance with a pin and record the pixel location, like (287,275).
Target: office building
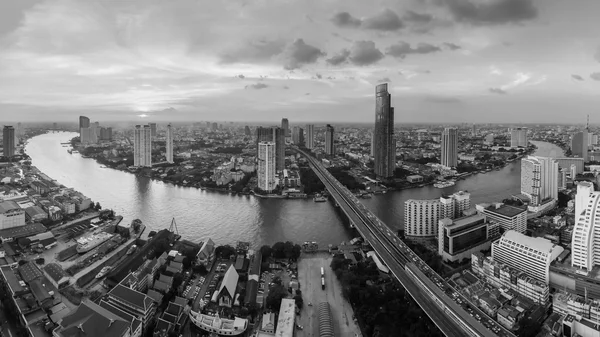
(266,166)
(84,122)
(385,143)
(539,179)
(142,146)
(329,143)
(298,135)
(89,135)
(8,141)
(586,233)
(275,135)
(573,171)
(526,254)
(421,217)
(473,131)
(518,137)
(11,215)
(106,134)
(459,238)
(508,217)
(562,179)
(310,136)
(285,125)
(579,145)
(449,147)
(152,130)
(214,126)
(169,144)
(566,163)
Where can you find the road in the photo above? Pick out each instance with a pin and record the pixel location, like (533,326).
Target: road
(396,255)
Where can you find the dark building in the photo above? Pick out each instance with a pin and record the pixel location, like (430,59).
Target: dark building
(384,143)
(276,135)
(105,133)
(215,126)
(285,125)
(329,137)
(247,131)
(84,122)
(8,141)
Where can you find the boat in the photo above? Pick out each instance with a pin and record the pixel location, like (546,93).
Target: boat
(444,184)
(218,325)
(319,198)
(104,271)
(85,244)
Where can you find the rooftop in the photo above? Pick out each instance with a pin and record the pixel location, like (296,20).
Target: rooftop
(539,244)
(285,323)
(55,271)
(135,298)
(91,320)
(22,231)
(505,210)
(29,272)
(7,206)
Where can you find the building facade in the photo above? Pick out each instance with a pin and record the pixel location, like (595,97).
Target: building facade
(142,146)
(11,215)
(285,125)
(518,137)
(329,140)
(579,145)
(384,147)
(508,217)
(298,135)
(275,135)
(449,147)
(586,233)
(459,238)
(539,179)
(152,129)
(169,144)
(266,166)
(421,217)
(84,122)
(310,136)
(8,141)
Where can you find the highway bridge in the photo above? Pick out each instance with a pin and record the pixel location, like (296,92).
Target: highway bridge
(427,288)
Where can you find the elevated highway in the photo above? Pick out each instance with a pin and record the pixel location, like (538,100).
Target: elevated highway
(423,284)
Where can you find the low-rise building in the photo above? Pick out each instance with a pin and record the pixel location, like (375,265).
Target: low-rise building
(459,238)
(11,215)
(132,302)
(92,320)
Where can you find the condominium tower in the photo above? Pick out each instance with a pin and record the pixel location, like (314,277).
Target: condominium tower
(152,129)
(169,144)
(310,136)
(8,141)
(539,179)
(579,144)
(585,243)
(518,137)
(383,138)
(449,147)
(298,135)
(329,137)
(84,122)
(276,135)
(421,216)
(142,146)
(266,166)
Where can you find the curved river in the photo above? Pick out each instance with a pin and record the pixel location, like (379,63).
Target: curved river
(226,218)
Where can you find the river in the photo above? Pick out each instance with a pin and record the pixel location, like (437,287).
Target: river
(225,218)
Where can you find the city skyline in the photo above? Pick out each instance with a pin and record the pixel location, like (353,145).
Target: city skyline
(155,61)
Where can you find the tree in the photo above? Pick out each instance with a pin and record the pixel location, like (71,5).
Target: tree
(266,252)
(136,225)
(46,222)
(151,234)
(97,207)
(177,280)
(279,250)
(24,242)
(225,251)
(528,328)
(299,301)
(276,294)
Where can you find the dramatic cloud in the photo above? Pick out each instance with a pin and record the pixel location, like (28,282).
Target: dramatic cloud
(417,17)
(256,86)
(497,91)
(401,49)
(386,20)
(491,11)
(299,53)
(339,58)
(344,19)
(577,77)
(364,53)
(254,52)
(595,76)
(451,46)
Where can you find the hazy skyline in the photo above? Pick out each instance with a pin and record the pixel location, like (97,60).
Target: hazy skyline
(474,61)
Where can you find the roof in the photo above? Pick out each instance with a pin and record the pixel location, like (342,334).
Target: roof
(325,320)
(124,315)
(206,250)
(55,271)
(287,314)
(35,210)
(12,279)
(133,297)
(251,291)
(160,285)
(505,210)
(39,290)
(540,244)
(155,295)
(230,281)
(91,320)
(268,321)
(7,206)
(29,272)
(23,231)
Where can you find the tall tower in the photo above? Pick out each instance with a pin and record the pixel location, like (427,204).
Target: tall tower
(142,146)
(276,135)
(310,136)
(518,137)
(84,122)
(152,129)
(539,179)
(285,125)
(449,147)
(298,135)
(169,144)
(8,141)
(266,166)
(384,142)
(329,137)
(586,234)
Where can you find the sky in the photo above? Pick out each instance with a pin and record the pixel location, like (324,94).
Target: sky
(445,61)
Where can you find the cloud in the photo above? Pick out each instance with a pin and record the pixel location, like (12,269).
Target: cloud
(299,53)
(597,55)
(442,99)
(319,76)
(345,20)
(452,46)
(364,53)
(386,20)
(490,12)
(577,77)
(595,76)
(495,71)
(417,17)
(286,87)
(256,86)
(384,80)
(339,58)
(241,76)
(520,78)
(254,52)
(497,91)
(401,49)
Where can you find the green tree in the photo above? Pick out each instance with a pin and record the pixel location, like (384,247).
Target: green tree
(97,207)
(276,294)
(266,252)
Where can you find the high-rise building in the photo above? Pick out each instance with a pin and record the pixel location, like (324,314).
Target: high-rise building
(473,131)
(169,144)
(88,135)
(584,190)
(385,143)
(106,134)
(518,137)
(84,122)
(247,131)
(142,146)
(285,125)
(329,137)
(298,135)
(585,243)
(526,254)
(421,217)
(152,129)
(573,171)
(579,143)
(8,141)
(276,135)
(215,126)
(266,166)
(539,179)
(449,147)
(372,144)
(562,179)
(310,136)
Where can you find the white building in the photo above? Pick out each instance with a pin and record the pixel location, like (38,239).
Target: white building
(526,254)
(266,166)
(449,147)
(169,144)
(586,233)
(584,189)
(518,137)
(539,179)
(421,216)
(509,217)
(11,215)
(142,146)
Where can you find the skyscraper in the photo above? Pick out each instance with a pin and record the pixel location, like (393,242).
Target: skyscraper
(518,137)
(152,129)
(385,144)
(276,135)
(586,233)
(329,137)
(285,125)
(473,131)
(247,131)
(106,134)
(310,136)
(584,190)
(169,144)
(449,147)
(266,166)
(539,179)
(84,122)
(8,141)
(142,146)
(298,135)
